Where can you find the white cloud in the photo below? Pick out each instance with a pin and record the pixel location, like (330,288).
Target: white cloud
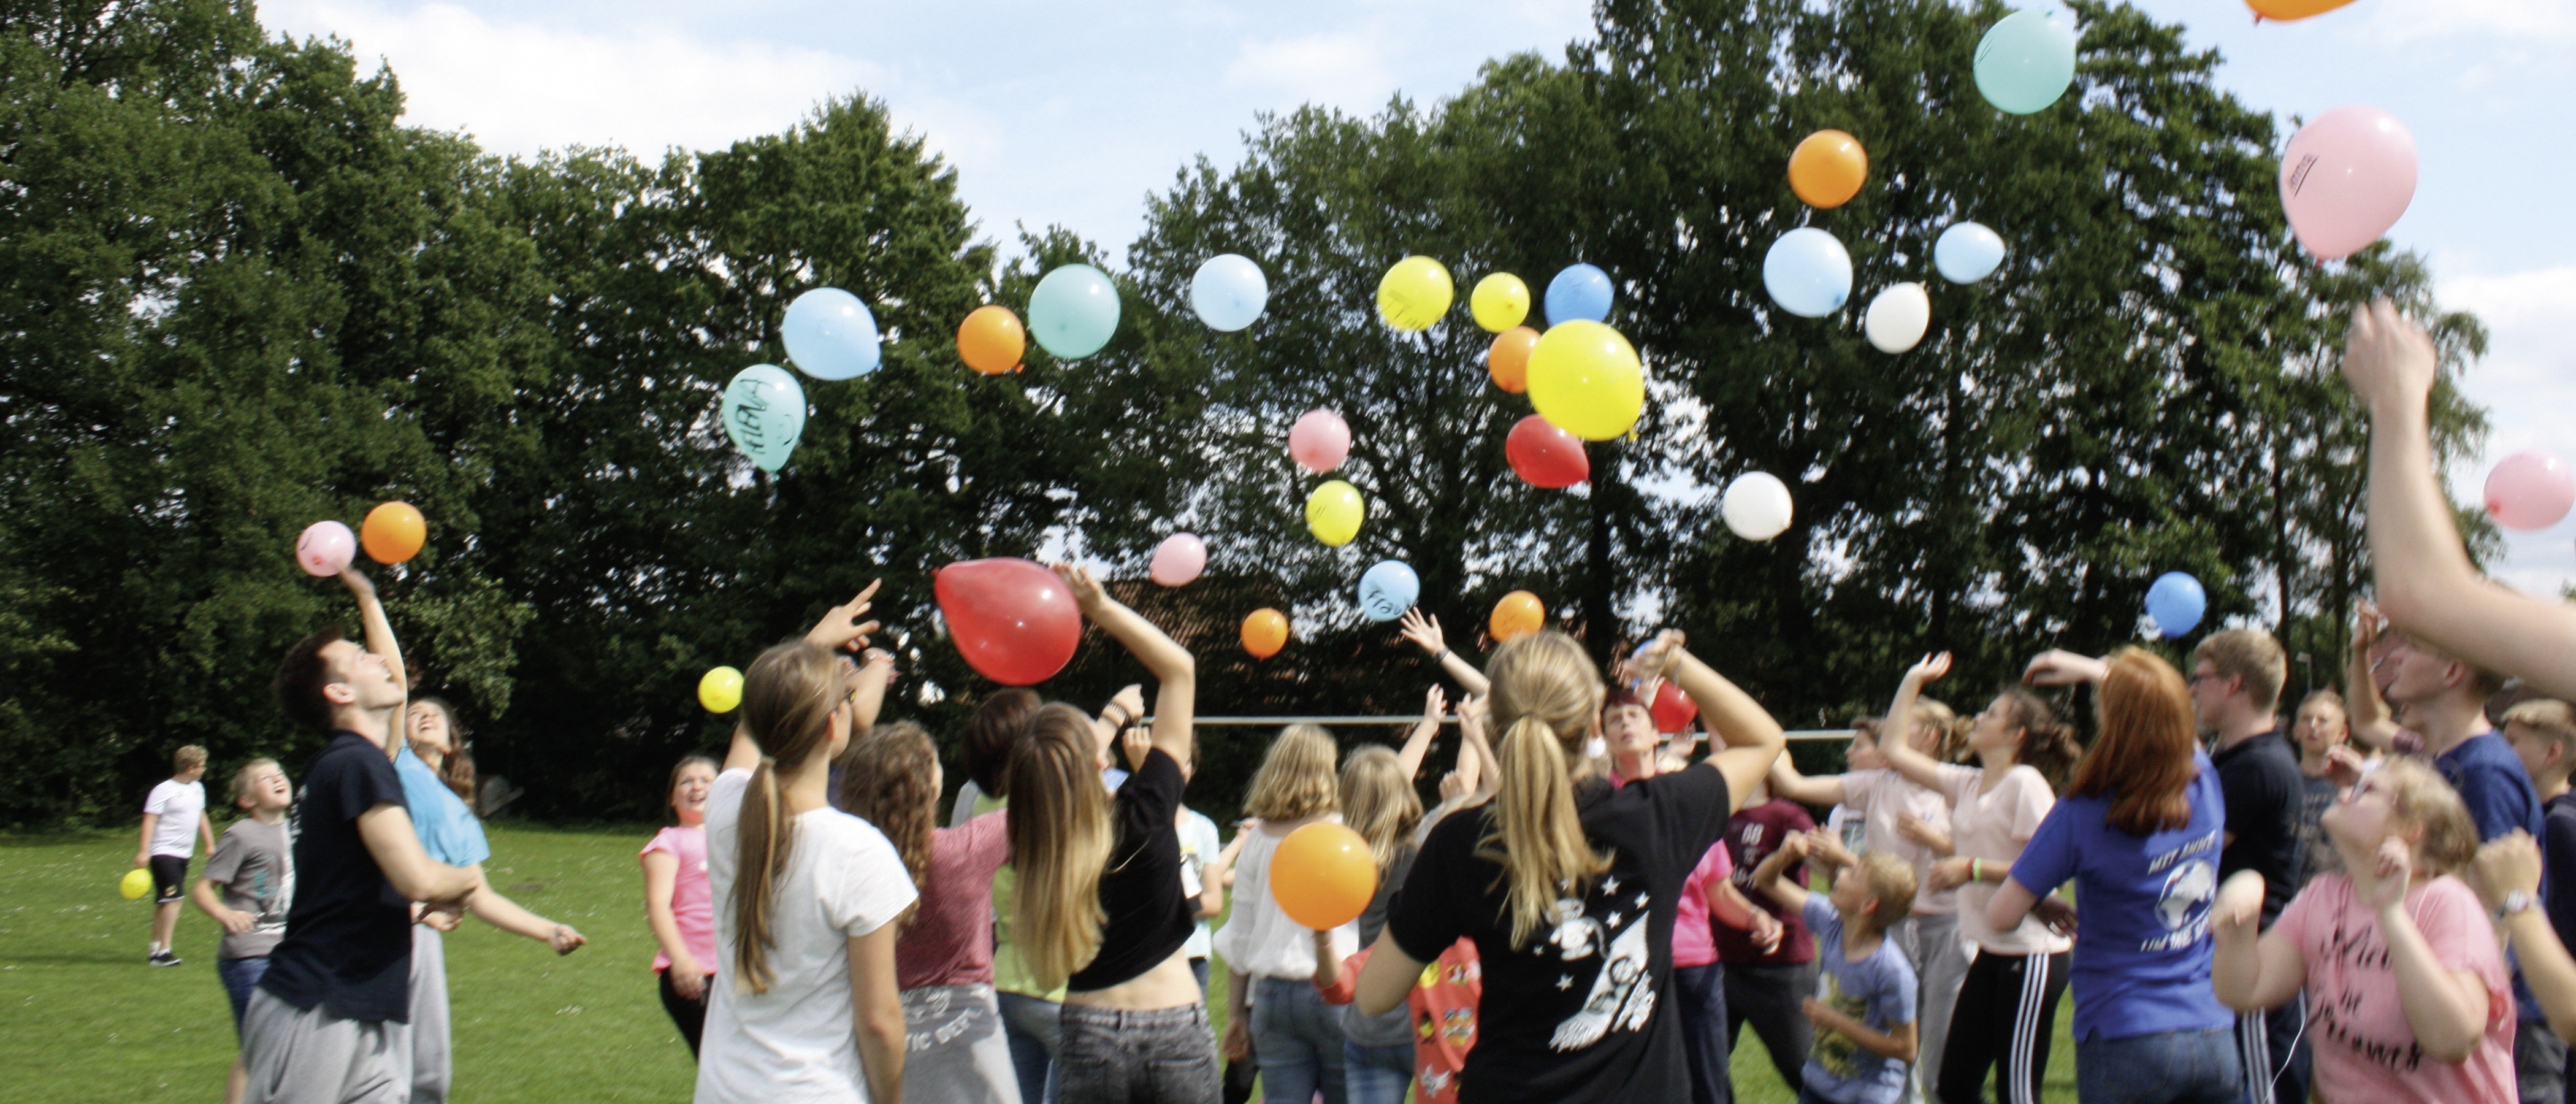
(2528,385)
(2412,20)
(1345,69)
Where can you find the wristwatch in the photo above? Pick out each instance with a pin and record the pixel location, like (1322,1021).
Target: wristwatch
(2516,901)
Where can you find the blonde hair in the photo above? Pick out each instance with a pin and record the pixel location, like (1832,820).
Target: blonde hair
(1546,696)
(788,698)
(1296,776)
(2550,720)
(187,758)
(240,787)
(1892,882)
(1952,747)
(2420,798)
(1378,801)
(1060,841)
(2251,655)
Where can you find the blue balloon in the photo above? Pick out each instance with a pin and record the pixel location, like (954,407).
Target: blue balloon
(1967,252)
(1229,292)
(764,413)
(1808,273)
(1388,589)
(2176,602)
(1074,311)
(2026,61)
(1581,292)
(830,335)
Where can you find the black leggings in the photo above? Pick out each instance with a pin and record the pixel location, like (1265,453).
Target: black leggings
(690,1016)
(2006,1015)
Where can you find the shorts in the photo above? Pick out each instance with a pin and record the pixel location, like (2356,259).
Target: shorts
(169,878)
(240,976)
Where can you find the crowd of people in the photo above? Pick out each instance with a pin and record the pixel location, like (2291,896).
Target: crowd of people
(2371,904)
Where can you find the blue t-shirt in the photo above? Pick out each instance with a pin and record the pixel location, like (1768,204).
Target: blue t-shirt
(1878,991)
(2493,784)
(447,829)
(2142,952)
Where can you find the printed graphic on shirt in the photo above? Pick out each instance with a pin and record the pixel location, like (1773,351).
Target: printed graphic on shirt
(937,1015)
(1623,992)
(2191,886)
(1834,1050)
(2341,1019)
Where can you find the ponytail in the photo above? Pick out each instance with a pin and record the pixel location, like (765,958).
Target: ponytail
(765,838)
(2047,744)
(1546,696)
(788,698)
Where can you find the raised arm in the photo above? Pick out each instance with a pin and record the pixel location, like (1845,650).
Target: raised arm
(1751,739)
(876,669)
(1417,744)
(1825,789)
(1176,682)
(2507,865)
(1425,631)
(1772,877)
(2059,667)
(1897,746)
(2252,970)
(2365,713)
(378,628)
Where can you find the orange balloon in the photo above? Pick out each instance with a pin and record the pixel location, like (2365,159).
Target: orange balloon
(1508,360)
(1265,632)
(991,340)
(2286,10)
(1520,613)
(1323,875)
(393,532)
(1827,169)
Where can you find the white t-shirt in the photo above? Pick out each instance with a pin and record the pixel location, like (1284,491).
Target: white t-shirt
(796,1042)
(1258,937)
(1199,847)
(1885,797)
(1992,826)
(180,808)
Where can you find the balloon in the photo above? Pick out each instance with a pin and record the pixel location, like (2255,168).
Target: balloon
(2286,10)
(325,549)
(393,532)
(2176,602)
(135,883)
(720,690)
(1179,559)
(1320,441)
(2026,61)
(1265,632)
(1508,360)
(2530,490)
(1323,875)
(1967,252)
(1545,456)
(1074,311)
(1229,292)
(991,340)
(1499,302)
(1828,168)
(1334,512)
(1414,294)
(1388,589)
(1757,506)
(1013,620)
(1580,293)
(1808,273)
(1897,317)
(1585,379)
(1673,709)
(1520,613)
(2346,177)
(830,335)
(764,413)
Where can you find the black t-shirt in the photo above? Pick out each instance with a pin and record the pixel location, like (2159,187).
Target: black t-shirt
(1148,915)
(2265,792)
(1576,1015)
(2558,855)
(348,934)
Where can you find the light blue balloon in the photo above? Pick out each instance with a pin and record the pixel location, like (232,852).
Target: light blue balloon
(1580,292)
(1074,311)
(2026,60)
(2176,602)
(1388,589)
(1808,273)
(764,413)
(830,335)
(1229,292)
(1967,252)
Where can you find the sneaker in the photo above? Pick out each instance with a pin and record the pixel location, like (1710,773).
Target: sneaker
(164,958)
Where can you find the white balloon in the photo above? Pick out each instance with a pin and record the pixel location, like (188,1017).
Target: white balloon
(1756,506)
(1898,317)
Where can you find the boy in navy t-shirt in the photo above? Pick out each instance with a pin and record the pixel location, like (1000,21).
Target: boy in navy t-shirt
(1865,1030)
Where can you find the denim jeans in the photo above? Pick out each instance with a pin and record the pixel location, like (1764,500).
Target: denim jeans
(1299,1038)
(240,976)
(1115,1056)
(1700,993)
(1033,1026)
(2177,1067)
(1378,1074)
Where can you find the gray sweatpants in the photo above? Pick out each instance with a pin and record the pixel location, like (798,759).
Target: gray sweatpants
(953,1047)
(309,1056)
(1931,943)
(433,1059)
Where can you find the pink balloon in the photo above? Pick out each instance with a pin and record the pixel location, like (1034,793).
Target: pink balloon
(2345,179)
(2530,490)
(325,549)
(1320,441)
(1179,559)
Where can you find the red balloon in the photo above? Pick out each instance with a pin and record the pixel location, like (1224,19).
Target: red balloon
(1545,456)
(1673,709)
(1013,620)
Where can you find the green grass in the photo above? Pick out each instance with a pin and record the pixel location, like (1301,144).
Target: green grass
(88,1021)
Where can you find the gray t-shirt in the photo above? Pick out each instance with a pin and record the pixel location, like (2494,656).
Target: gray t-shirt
(1877,991)
(254,863)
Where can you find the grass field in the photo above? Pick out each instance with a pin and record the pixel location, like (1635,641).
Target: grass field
(88,1021)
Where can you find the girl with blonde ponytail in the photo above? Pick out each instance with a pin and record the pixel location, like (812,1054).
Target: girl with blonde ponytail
(805,1004)
(1569,887)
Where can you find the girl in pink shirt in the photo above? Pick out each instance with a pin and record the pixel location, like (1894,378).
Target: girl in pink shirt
(676,900)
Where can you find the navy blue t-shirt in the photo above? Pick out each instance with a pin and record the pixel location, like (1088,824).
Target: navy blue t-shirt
(348,934)
(2498,791)
(2558,864)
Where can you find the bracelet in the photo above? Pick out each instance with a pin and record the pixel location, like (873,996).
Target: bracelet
(1976,870)
(1444,654)
(1123,718)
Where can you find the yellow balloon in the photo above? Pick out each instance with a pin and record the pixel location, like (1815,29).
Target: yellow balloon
(1499,302)
(721,690)
(1584,379)
(1415,293)
(135,884)
(1334,512)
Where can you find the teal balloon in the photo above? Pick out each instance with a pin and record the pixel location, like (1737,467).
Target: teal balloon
(1074,311)
(764,413)
(1808,273)
(2026,61)
(1229,292)
(830,335)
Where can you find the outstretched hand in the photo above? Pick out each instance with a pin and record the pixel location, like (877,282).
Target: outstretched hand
(1087,593)
(1930,669)
(2059,667)
(2389,360)
(1652,660)
(1435,704)
(1424,630)
(842,628)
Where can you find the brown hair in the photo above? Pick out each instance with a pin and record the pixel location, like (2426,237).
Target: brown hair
(1892,882)
(2251,655)
(1060,842)
(1546,696)
(2418,796)
(681,767)
(189,757)
(300,677)
(2143,758)
(240,787)
(887,780)
(996,725)
(1296,776)
(1379,802)
(2047,744)
(456,765)
(1952,747)
(788,698)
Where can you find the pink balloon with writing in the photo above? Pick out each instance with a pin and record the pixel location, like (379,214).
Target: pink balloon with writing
(1179,559)
(2345,179)
(325,549)
(2530,490)
(1320,441)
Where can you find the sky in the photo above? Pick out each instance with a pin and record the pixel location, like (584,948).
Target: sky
(1072,112)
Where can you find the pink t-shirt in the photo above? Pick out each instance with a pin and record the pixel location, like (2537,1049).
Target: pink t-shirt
(1692,943)
(1885,798)
(950,941)
(2356,1026)
(692,908)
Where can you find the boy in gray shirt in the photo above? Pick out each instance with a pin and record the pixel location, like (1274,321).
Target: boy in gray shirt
(248,884)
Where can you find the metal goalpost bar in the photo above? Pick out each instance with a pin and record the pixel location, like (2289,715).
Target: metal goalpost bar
(1446,719)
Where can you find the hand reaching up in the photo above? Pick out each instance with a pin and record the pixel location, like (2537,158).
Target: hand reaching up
(841,628)
(2058,667)
(1424,630)
(2389,361)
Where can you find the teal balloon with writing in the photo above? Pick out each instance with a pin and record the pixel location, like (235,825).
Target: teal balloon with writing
(764,413)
